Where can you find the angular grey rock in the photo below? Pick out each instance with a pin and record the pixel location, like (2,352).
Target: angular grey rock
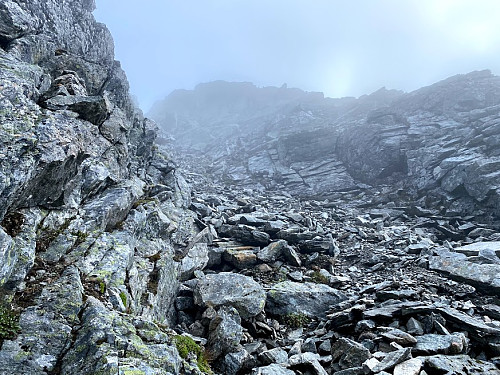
(7,257)
(414,327)
(273,369)
(94,109)
(14,21)
(310,359)
(276,355)
(309,345)
(195,259)
(409,367)
(485,276)
(240,258)
(291,256)
(104,332)
(46,328)
(231,289)
(349,353)
(245,234)
(351,371)
(225,332)
(400,337)
(272,251)
(440,344)
(311,299)
(392,359)
(460,365)
(234,362)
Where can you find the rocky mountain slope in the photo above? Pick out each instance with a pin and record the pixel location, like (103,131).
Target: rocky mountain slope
(112,262)
(437,146)
(89,210)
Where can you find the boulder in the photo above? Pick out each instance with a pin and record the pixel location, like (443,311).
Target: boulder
(349,353)
(460,365)
(311,299)
(484,276)
(440,344)
(231,289)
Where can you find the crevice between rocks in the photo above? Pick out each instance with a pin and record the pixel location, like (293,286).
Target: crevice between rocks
(75,328)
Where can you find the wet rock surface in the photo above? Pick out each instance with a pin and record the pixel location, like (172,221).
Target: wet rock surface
(114,259)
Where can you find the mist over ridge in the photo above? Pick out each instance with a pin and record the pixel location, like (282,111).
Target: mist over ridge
(339,48)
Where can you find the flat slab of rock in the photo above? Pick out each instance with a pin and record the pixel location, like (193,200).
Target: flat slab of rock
(392,359)
(231,289)
(475,248)
(390,311)
(400,337)
(439,344)
(240,258)
(484,276)
(311,299)
(409,367)
(460,365)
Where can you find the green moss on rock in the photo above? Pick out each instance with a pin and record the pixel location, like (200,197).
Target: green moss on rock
(186,345)
(9,323)
(296,320)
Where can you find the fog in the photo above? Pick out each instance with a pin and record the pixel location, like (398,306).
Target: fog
(342,48)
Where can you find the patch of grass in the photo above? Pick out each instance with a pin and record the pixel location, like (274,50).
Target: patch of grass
(102,287)
(9,323)
(296,320)
(186,345)
(123,297)
(318,278)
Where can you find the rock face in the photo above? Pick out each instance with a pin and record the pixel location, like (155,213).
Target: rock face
(89,210)
(439,143)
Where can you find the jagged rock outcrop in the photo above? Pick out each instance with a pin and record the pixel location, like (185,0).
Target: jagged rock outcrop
(90,210)
(437,146)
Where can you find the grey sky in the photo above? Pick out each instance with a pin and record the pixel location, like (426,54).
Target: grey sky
(342,48)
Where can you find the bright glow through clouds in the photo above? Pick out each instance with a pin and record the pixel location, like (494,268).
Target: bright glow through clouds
(343,48)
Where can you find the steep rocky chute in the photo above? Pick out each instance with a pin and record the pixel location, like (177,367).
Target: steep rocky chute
(111,262)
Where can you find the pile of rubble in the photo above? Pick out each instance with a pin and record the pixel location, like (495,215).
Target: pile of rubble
(276,285)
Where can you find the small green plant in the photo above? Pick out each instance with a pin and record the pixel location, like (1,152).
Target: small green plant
(9,323)
(123,297)
(318,278)
(186,345)
(80,237)
(102,287)
(296,320)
